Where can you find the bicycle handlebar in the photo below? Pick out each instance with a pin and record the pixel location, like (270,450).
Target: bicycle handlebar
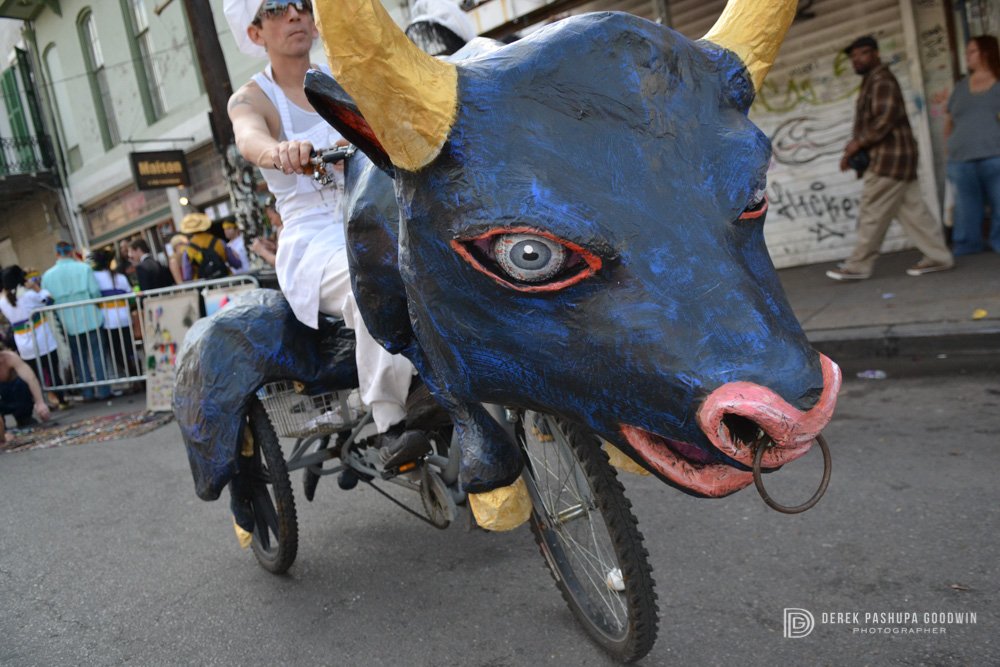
(323,159)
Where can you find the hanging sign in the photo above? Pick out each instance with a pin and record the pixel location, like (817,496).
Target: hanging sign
(159,169)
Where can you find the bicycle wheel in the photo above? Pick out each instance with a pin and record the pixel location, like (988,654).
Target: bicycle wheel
(584,526)
(276,533)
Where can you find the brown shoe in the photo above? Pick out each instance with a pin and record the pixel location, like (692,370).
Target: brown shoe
(927,266)
(847,274)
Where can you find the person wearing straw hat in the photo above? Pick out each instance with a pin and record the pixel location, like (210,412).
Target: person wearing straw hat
(277,129)
(205,256)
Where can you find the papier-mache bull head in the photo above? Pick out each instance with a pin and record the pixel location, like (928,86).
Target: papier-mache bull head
(580,233)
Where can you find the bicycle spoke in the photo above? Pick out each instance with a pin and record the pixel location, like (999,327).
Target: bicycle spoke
(595,562)
(557,470)
(572,515)
(584,526)
(264,510)
(261,531)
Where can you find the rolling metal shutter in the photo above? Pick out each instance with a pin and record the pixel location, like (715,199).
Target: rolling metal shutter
(806,106)
(643,8)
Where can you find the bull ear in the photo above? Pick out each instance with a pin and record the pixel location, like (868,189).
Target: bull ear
(338,109)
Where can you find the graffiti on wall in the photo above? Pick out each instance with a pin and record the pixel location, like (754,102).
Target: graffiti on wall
(804,139)
(826,211)
(813,83)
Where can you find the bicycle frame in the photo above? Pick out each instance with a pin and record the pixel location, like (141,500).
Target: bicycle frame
(355,449)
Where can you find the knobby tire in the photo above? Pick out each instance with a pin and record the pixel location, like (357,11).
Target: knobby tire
(276,533)
(634,635)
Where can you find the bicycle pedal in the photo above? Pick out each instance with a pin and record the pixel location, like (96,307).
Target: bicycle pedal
(402,468)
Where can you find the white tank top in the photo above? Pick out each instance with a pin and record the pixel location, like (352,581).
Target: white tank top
(312,215)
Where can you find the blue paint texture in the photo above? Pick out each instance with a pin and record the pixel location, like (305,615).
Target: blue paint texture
(617,136)
(225,358)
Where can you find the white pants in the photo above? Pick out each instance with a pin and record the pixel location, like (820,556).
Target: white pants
(384,378)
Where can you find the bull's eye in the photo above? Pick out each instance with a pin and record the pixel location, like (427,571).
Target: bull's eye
(528,257)
(528,260)
(757,205)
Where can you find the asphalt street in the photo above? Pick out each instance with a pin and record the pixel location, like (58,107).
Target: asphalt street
(108,558)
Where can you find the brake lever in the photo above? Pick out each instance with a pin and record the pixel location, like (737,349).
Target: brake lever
(323,172)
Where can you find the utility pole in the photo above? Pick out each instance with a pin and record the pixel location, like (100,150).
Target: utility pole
(239,173)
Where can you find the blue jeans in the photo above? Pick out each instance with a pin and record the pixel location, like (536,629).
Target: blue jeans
(16,399)
(87,351)
(976,183)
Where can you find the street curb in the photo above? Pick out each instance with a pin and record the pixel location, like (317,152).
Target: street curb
(915,339)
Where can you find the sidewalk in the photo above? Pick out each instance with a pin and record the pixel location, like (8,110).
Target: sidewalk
(889,315)
(892,313)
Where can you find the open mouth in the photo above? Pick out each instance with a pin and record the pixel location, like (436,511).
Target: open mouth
(686,465)
(733,417)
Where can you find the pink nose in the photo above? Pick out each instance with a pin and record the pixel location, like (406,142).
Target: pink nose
(791,430)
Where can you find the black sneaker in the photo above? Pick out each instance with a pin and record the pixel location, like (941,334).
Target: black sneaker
(398,446)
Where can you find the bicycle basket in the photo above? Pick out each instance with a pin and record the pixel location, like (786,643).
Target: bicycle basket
(295,414)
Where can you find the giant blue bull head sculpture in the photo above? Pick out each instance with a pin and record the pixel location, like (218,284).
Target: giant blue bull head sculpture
(580,233)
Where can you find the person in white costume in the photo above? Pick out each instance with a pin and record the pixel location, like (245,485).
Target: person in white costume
(277,129)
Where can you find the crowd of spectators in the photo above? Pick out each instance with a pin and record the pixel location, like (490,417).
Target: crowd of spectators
(92,344)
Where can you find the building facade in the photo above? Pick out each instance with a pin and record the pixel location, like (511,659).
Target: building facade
(806,105)
(118,77)
(33,215)
(115,77)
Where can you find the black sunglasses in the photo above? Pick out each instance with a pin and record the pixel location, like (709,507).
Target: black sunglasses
(277,8)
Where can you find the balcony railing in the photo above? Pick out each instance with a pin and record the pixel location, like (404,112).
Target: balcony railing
(25,155)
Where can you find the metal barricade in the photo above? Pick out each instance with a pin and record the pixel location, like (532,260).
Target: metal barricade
(99,356)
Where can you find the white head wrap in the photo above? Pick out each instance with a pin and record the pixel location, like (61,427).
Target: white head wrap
(239,14)
(446,13)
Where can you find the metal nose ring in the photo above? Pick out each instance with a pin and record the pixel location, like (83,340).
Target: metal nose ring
(796,509)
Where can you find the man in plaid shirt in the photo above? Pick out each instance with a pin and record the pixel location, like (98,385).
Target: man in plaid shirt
(890,188)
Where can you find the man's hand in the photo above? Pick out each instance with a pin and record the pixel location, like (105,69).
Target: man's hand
(266,245)
(291,157)
(42,410)
(266,249)
(852,147)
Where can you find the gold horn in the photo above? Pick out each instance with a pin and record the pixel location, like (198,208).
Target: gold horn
(754,30)
(407,97)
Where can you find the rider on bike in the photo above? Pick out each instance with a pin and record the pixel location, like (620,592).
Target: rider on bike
(277,129)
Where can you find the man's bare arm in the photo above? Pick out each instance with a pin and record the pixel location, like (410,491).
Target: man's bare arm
(257,127)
